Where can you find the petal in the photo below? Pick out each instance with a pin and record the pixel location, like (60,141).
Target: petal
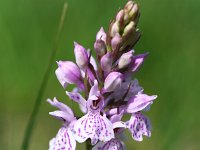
(94,89)
(61,77)
(139,102)
(125,59)
(119,124)
(93,62)
(81,56)
(137,61)
(116,41)
(68,72)
(79,99)
(106,62)
(117,117)
(52,143)
(64,140)
(93,126)
(62,116)
(139,125)
(101,35)
(119,127)
(113,81)
(114,144)
(61,106)
(90,74)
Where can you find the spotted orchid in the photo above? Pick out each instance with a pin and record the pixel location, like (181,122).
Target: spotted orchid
(64,138)
(105,89)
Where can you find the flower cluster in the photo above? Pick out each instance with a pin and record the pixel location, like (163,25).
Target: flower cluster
(108,89)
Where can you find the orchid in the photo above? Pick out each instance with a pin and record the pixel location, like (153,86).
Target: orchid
(105,89)
(64,138)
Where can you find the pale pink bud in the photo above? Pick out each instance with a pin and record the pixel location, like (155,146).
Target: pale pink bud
(101,35)
(81,56)
(120,15)
(113,81)
(114,29)
(125,59)
(106,62)
(68,72)
(100,47)
(116,40)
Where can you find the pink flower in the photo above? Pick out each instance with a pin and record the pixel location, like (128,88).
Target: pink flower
(64,138)
(93,125)
(139,125)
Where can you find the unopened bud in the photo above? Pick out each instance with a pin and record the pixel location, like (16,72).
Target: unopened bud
(116,40)
(115,29)
(129,28)
(100,47)
(113,81)
(126,18)
(129,5)
(134,11)
(125,59)
(120,16)
(106,62)
(68,72)
(81,56)
(101,35)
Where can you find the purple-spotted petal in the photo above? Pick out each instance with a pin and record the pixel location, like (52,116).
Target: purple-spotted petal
(139,125)
(113,144)
(64,140)
(79,99)
(93,126)
(139,102)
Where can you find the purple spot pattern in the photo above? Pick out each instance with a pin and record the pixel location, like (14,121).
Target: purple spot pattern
(93,126)
(64,140)
(113,144)
(139,125)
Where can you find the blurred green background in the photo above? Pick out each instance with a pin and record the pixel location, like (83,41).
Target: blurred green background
(170,33)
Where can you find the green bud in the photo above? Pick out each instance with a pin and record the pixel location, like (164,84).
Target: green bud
(129,28)
(133,12)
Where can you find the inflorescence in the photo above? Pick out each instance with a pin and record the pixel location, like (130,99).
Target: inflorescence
(108,88)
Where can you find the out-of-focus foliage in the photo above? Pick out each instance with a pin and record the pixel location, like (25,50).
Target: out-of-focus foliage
(170,33)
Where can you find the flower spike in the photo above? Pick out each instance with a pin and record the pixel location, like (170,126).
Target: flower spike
(105,89)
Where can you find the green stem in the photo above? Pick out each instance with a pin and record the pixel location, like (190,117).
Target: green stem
(38,100)
(88,145)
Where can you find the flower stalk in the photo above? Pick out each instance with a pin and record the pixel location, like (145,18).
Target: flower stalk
(32,119)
